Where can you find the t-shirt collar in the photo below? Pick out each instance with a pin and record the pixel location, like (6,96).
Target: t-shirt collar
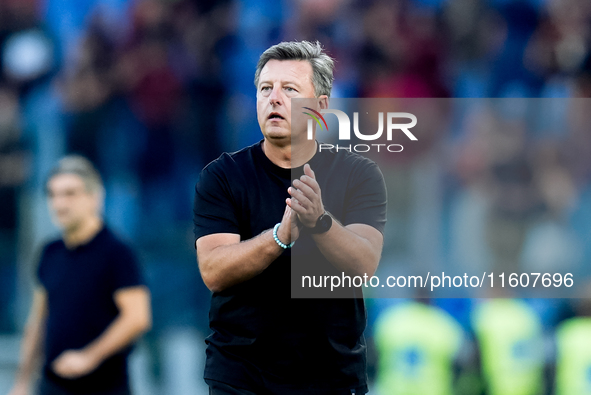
(99,235)
(283,172)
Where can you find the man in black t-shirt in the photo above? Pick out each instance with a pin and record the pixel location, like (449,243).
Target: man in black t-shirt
(90,304)
(250,208)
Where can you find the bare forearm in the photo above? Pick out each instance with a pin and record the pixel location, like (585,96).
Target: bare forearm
(133,320)
(31,351)
(123,331)
(228,265)
(348,251)
(32,343)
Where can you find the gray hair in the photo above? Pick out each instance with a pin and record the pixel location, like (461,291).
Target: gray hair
(322,64)
(82,167)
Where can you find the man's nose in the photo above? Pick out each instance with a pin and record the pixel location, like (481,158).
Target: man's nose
(275,97)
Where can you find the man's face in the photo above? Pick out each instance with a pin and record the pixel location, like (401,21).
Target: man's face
(279,82)
(70,203)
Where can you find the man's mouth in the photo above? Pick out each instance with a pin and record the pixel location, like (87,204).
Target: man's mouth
(275,115)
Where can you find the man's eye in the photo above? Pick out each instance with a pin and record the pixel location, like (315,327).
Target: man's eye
(265,88)
(290,89)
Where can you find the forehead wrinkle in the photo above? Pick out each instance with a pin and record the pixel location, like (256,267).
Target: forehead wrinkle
(300,71)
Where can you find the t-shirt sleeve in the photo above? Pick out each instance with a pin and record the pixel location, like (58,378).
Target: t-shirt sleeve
(40,270)
(366,200)
(213,208)
(126,269)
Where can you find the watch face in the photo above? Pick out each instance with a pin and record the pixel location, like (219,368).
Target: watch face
(324,223)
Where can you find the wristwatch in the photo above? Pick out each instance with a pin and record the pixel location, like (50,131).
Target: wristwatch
(323,224)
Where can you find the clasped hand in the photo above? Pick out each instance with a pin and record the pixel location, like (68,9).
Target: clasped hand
(304,207)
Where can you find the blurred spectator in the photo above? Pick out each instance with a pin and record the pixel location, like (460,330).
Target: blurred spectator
(14,170)
(13,157)
(403,51)
(509,75)
(573,351)
(509,335)
(417,346)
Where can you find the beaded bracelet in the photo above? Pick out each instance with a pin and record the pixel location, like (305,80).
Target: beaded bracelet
(282,245)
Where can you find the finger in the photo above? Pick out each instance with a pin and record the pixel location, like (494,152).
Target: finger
(308,171)
(300,197)
(69,374)
(292,214)
(297,207)
(60,371)
(56,365)
(293,217)
(305,189)
(312,183)
(286,211)
(291,202)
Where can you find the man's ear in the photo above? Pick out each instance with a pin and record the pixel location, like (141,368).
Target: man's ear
(99,202)
(322,102)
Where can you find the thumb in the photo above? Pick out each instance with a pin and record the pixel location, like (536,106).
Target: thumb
(308,171)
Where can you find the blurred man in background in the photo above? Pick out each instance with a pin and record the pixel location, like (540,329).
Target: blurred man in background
(90,304)
(251,206)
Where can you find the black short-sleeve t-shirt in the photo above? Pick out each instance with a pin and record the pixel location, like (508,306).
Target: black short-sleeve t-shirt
(263,338)
(80,285)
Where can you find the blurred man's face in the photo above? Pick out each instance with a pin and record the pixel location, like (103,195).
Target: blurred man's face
(279,82)
(70,203)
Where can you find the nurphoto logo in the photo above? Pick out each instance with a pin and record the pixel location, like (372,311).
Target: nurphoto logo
(392,124)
